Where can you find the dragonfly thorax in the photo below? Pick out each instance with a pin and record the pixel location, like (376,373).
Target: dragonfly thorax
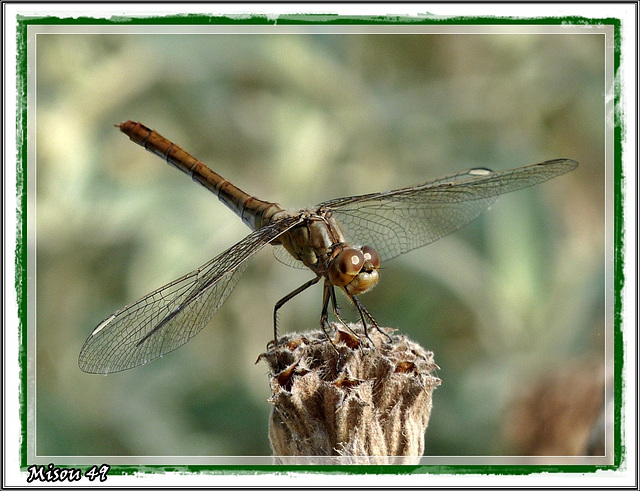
(314,240)
(319,243)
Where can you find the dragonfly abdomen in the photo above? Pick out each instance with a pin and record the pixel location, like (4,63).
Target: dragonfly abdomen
(253,211)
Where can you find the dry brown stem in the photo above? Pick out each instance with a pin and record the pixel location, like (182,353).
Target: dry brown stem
(350,402)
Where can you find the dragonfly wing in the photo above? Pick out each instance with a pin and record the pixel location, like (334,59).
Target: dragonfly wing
(168,317)
(398,221)
(285,257)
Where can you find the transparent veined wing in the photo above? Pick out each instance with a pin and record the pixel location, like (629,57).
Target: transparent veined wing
(168,317)
(398,221)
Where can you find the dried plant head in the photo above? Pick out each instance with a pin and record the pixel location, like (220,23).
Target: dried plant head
(354,398)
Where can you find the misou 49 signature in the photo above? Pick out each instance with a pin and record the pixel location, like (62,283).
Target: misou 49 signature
(342,241)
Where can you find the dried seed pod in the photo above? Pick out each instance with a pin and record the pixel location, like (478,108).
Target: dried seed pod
(348,401)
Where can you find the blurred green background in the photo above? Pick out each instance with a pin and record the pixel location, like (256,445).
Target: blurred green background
(299,119)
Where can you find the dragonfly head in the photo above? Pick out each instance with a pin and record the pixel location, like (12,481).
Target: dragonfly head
(355,268)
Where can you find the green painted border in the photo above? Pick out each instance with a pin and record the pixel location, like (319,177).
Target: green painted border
(322,19)
(618,253)
(21,227)
(319,19)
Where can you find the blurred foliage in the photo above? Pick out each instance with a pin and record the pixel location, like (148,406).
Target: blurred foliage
(300,119)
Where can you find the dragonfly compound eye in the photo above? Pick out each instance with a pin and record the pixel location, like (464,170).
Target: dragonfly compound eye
(350,262)
(355,270)
(371,256)
(346,266)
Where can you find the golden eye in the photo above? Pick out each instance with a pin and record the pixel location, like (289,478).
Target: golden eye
(371,255)
(350,261)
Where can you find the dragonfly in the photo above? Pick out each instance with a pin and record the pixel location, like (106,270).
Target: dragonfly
(342,241)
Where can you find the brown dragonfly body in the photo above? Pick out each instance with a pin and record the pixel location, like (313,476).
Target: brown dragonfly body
(342,241)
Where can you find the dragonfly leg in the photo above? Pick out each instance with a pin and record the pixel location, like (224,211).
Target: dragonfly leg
(336,311)
(328,294)
(284,300)
(365,313)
